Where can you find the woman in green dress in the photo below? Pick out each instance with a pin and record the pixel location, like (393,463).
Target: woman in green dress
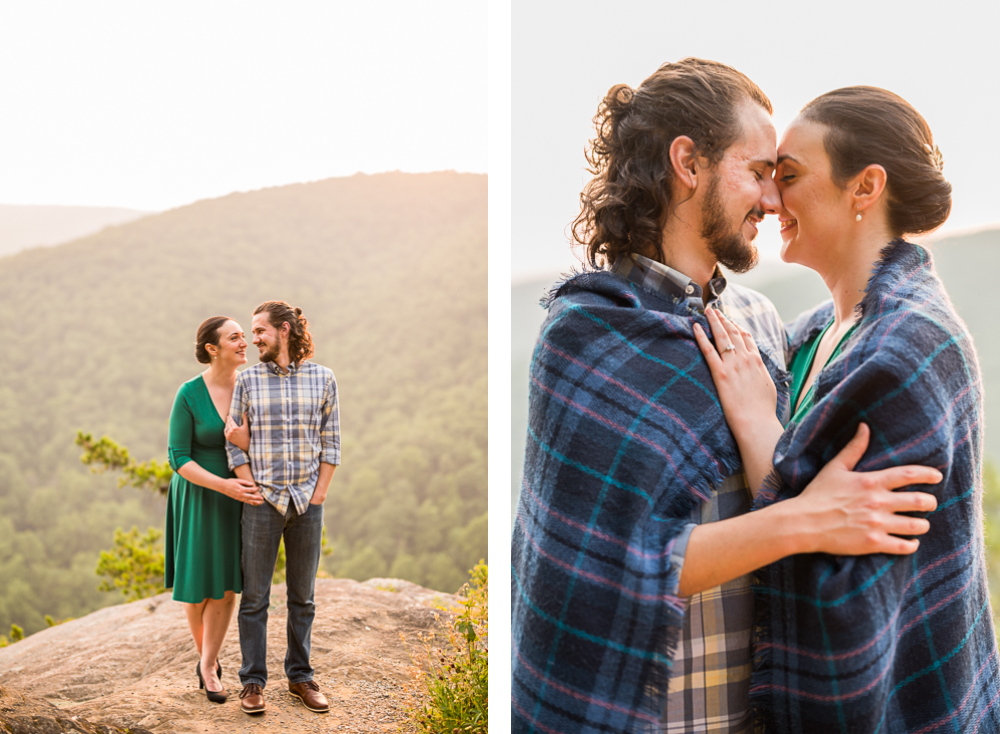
(204,506)
(867,643)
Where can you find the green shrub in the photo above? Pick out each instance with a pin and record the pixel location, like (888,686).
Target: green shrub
(134,564)
(450,692)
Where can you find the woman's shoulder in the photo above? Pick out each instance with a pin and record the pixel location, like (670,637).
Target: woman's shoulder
(808,324)
(195,383)
(906,302)
(187,394)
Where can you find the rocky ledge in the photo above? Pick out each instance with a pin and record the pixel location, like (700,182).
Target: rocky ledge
(131,667)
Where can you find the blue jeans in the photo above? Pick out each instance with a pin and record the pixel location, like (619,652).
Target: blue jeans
(263,528)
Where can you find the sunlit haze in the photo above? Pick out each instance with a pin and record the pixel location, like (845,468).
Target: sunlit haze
(153,105)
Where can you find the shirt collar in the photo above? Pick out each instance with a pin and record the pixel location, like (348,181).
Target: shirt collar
(273,366)
(667,281)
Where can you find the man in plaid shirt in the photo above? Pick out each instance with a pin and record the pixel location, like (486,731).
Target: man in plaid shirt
(683,174)
(294,448)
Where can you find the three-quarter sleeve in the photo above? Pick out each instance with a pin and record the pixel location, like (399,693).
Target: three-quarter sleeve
(239,405)
(181,431)
(329,427)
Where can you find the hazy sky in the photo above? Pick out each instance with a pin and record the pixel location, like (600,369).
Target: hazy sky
(940,56)
(152,105)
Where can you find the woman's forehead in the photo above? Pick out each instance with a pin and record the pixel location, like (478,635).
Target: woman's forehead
(229,327)
(801,139)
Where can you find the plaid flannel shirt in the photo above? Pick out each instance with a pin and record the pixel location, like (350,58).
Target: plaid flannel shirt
(295,425)
(709,688)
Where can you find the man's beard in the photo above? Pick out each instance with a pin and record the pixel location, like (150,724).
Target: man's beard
(267,355)
(730,248)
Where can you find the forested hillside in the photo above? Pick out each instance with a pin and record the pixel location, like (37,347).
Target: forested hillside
(391,272)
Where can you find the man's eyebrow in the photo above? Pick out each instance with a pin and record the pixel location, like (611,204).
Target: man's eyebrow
(764,162)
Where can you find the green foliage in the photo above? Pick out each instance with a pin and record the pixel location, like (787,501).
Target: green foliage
(105,454)
(390,271)
(367,564)
(991,522)
(134,565)
(452,689)
(16,635)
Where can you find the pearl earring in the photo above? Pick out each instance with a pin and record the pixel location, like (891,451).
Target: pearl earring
(858,217)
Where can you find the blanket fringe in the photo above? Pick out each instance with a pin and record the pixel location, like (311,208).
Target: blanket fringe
(564,278)
(658,677)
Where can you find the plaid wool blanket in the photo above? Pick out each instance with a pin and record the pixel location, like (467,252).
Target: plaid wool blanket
(884,643)
(626,437)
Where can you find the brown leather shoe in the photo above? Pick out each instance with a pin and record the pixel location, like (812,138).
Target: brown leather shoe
(252,699)
(310,696)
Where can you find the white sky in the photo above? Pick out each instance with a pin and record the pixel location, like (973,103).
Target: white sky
(152,105)
(941,57)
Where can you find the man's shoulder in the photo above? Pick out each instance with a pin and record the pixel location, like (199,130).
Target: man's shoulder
(311,368)
(755,312)
(752,306)
(253,372)
(592,287)
(741,295)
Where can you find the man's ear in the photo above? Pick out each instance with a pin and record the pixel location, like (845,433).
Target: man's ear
(684,161)
(868,186)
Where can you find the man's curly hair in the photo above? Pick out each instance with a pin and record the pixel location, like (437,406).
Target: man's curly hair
(300,343)
(623,208)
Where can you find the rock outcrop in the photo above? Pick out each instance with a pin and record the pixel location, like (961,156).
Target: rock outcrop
(131,667)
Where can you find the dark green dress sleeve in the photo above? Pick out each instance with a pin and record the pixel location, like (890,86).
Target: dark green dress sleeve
(181,431)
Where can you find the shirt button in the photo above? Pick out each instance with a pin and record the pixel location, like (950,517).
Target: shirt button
(689,290)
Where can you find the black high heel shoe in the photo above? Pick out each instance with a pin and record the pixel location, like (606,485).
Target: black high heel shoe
(213,696)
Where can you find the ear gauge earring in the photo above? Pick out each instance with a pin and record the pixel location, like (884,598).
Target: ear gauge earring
(857,218)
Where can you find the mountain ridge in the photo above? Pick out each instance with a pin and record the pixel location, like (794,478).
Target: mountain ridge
(390,269)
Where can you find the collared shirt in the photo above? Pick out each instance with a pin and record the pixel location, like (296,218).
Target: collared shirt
(709,689)
(294,425)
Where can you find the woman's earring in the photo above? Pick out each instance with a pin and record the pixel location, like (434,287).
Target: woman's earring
(858,217)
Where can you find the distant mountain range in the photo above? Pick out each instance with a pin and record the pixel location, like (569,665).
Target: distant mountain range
(22,227)
(390,270)
(965,262)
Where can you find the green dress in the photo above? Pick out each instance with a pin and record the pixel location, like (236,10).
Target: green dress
(203,526)
(802,364)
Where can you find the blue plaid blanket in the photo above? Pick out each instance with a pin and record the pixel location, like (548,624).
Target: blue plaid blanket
(886,643)
(626,437)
